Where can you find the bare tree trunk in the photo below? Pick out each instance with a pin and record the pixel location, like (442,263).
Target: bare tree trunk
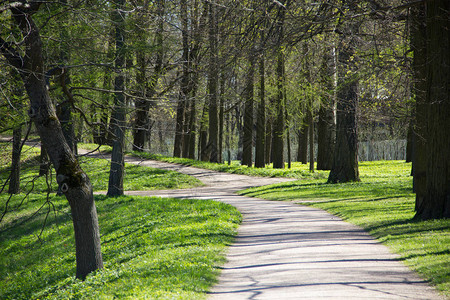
(213,78)
(418,45)
(260,148)
(302,138)
(279,123)
(311,138)
(73,182)
(203,136)
(14,181)
(268,141)
(182,105)
(115,184)
(221,115)
(326,127)
(436,201)
(247,145)
(345,163)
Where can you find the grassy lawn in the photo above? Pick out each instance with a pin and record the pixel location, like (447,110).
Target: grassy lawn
(136,177)
(383,204)
(298,170)
(152,248)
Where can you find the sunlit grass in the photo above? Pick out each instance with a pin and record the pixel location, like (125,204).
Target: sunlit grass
(383,204)
(152,248)
(297,170)
(136,177)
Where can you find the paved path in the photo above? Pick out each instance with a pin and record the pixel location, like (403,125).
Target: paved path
(289,251)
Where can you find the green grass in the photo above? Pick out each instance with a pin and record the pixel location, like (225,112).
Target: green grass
(383,204)
(298,170)
(136,177)
(152,248)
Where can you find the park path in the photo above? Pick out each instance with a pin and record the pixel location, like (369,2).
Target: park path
(288,251)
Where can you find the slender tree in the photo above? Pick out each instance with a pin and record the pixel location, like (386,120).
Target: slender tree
(213,79)
(260,147)
(279,122)
(73,182)
(345,163)
(326,131)
(247,149)
(115,185)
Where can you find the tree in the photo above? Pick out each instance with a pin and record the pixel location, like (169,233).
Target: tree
(147,90)
(260,147)
(345,163)
(326,125)
(419,48)
(436,200)
(247,149)
(279,123)
(213,80)
(73,182)
(115,184)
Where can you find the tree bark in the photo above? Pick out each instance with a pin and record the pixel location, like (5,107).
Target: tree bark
(302,138)
(419,47)
(213,79)
(326,127)
(73,182)
(279,124)
(311,138)
(203,154)
(247,141)
(14,181)
(115,184)
(436,202)
(260,148)
(345,163)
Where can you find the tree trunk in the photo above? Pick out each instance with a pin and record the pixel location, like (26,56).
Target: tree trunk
(14,181)
(213,78)
(194,59)
(44,163)
(221,115)
(326,127)
(345,163)
(247,141)
(409,142)
(418,45)
(73,182)
(260,148)
(302,138)
(279,124)
(311,138)
(436,202)
(64,113)
(203,136)
(115,184)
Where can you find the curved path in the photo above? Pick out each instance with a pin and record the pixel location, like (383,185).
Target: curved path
(289,251)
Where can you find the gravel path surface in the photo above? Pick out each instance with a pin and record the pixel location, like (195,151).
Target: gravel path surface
(288,251)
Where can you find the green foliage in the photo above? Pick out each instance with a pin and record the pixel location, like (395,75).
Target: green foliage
(298,170)
(152,248)
(383,204)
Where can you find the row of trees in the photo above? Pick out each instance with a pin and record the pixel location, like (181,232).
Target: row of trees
(210,70)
